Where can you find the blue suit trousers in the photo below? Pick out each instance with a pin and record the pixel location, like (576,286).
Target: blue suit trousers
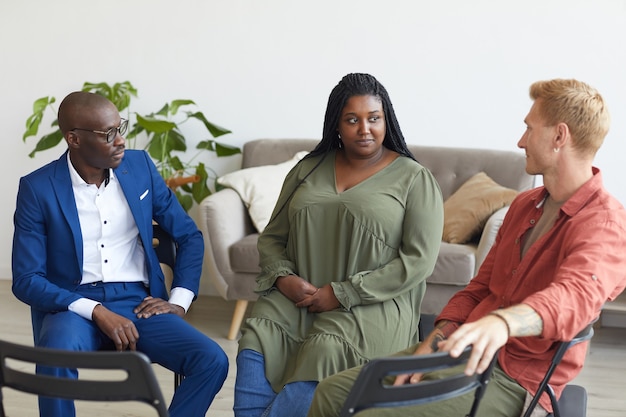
(166,339)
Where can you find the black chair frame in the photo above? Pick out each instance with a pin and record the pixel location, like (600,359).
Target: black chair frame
(164,246)
(371,389)
(140,383)
(573,401)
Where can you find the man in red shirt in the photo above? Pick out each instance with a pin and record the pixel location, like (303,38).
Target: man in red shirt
(558,257)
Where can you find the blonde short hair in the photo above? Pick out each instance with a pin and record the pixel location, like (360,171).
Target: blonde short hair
(579,106)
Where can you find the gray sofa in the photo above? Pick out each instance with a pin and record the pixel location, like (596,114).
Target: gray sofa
(231,258)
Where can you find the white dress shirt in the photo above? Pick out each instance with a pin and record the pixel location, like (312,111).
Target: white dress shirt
(112,248)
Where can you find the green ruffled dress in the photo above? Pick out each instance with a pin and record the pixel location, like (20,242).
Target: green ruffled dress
(376,243)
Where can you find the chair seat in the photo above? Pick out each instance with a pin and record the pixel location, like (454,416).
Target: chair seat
(573,401)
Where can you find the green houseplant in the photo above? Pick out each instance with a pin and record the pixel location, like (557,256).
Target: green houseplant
(161,131)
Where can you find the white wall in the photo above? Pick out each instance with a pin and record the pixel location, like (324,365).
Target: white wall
(458,71)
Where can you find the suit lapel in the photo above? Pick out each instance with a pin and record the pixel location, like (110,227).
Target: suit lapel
(129,182)
(61,184)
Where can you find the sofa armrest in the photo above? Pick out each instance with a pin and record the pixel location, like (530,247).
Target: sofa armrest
(224,221)
(488,236)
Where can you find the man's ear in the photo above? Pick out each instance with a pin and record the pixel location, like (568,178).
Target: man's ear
(72,140)
(562,135)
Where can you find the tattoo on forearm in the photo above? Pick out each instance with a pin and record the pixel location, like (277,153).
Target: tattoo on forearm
(434,345)
(447,328)
(523,320)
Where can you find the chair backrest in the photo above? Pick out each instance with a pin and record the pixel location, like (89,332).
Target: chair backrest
(373,388)
(164,246)
(139,383)
(544,386)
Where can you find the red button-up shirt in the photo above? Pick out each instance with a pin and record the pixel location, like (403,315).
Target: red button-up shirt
(565,276)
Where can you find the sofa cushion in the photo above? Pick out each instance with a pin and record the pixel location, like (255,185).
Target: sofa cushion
(259,187)
(467,210)
(455,265)
(244,255)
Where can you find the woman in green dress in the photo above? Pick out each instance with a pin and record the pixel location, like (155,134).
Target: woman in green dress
(353,237)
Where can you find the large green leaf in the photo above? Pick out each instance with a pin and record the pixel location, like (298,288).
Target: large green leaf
(165,110)
(102,88)
(185,200)
(156,147)
(176,164)
(119,94)
(220,149)
(209,145)
(122,93)
(34,120)
(215,130)
(47,141)
(200,189)
(135,131)
(176,104)
(162,144)
(152,124)
(176,141)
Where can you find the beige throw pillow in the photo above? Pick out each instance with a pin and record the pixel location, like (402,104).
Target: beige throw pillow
(468,209)
(259,187)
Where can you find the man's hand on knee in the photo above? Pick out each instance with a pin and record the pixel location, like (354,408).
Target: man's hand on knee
(119,329)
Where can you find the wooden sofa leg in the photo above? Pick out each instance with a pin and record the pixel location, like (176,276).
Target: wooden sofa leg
(235,325)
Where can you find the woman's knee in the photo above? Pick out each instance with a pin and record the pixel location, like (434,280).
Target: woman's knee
(329,354)
(253,392)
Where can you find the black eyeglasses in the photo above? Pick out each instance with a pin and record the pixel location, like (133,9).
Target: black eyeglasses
(111,133)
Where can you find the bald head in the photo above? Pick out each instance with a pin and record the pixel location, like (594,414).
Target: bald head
(78,107)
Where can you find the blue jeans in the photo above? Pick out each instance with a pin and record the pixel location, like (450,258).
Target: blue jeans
(254,396)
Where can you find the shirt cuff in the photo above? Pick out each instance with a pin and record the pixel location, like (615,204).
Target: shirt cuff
(181,297)
(83,307)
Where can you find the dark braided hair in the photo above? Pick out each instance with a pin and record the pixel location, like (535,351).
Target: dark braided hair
(349,86)
(359,85)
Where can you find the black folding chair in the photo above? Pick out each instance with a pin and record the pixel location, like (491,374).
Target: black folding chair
(165,248)
(138,384)
(573,401)
(372,387)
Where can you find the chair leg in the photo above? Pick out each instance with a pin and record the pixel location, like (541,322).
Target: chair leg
(178,378)
(235,325)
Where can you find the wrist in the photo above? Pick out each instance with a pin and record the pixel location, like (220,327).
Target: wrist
(446,327)
(503,318)
(278,280)
(283,277)
(179,310)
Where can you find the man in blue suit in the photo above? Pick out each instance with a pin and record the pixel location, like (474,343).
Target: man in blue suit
(83,258)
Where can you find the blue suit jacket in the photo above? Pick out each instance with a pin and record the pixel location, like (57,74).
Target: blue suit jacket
(47,258)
